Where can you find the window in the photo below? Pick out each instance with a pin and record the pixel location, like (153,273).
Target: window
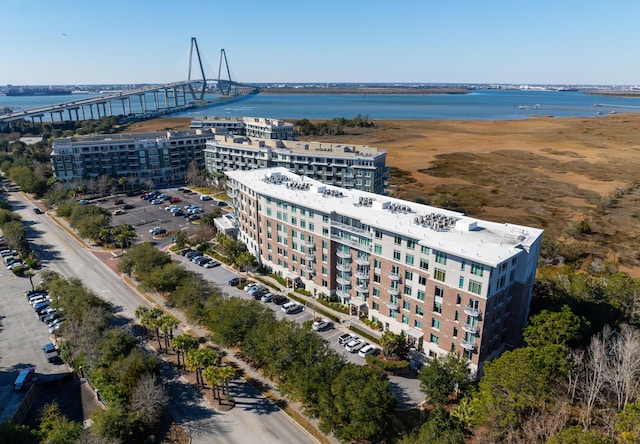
(439,275)
(408,275)
(409,259)
(376,278)
(461,282)
(377,263)
(396,255)
(437,307)
(406,305)
(434,339)
(377,249)
(324,271)
(408,290)
(512,276)
(435,323)
(424,264)
(378,234)
(325,231)
(325,258)
(294,221)
(477,269)
(458,299)
(311,227)
(420,295)
(438,292)
(462,265)
(425,250)
(411,244)
(397,240)
(457,316)
(455,332)
(325,218)
(419,310)
(475,287)
(405,319)
(376,306)
(441,258)
(417,324)
(422,280)
(376,292)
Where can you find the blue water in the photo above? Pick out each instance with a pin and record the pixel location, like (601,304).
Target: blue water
(477,105)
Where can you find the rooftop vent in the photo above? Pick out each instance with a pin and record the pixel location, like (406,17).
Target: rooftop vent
(435,221)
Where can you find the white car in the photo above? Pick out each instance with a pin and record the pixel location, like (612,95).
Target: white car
(354,345)
(291,307)
(367,349)
(248,287)
(320,324)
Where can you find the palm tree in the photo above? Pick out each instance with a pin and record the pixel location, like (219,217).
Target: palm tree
(124,234)
(226,374)
(201,358)
(213,376)
(167,324)
(183,343)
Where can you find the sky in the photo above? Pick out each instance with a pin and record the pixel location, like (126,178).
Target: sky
(84,42)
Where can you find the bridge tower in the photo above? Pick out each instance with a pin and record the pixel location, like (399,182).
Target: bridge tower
(224,85)
(194,44)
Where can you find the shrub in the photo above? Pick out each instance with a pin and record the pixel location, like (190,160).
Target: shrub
(395,367)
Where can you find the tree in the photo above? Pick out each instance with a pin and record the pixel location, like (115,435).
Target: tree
(226,374)
(201,358)
(560,327)
(142,259)
(17,433)
(168,324)
(212,375)
(627,428)
(183,343)
(149,399)
(440,428)
(56,428)
(444,374)
(244,260)
(394,345)
(180,239)
(124,234)
(359,405)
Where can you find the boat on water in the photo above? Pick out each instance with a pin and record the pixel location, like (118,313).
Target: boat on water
(31,91)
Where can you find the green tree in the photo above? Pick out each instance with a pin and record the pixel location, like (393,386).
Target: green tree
(244,260)
(181,239)
(394,345)
(443,375)
(56,428)
(440,428)
(17,433)
(359,405)
(183,343)
(233,318)
(142,259)
(168,324)
(211,374)
(560,327)
(576,435)
(201,358)
(627,426)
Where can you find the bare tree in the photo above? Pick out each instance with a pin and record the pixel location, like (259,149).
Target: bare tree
(149,399)
(594,374)
(103,185)
(623,376)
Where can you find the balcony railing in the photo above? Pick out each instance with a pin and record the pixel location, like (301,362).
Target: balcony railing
(343,281)
(343,254)
(343,294)
(343,267)
(309,267)
(309,257)
(310,244)
(394,276)
(351,228)
(362,288)
(468,345)
(470,328)
(361,261)
(393,291)
(352,243)
(393,305)
(362,274)
(472,311)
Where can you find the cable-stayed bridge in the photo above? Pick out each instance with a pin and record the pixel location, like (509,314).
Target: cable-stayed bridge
(144,103)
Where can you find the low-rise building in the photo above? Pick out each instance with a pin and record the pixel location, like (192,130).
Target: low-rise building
(446,281)
(260,127)
(349,166)
(162,157)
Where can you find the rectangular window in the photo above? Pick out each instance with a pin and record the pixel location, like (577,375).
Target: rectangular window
(475,287)
(435,323)
(396,255)
(437,307)
(458,299)
(377,264)
(420,295)
(455,332)
(409,259)
(378,234)
(477,269)
(419,310)
(462,265)
(417,324)
(377,249)
(456,316)
(411,244)
(376,306)
(422,280)
(434,339)
(512,276)
(424,264)
(405,319)
(324,271)
(425,250)
(397,240)
(408,290)
(441,258)
(408,275)
(461,282)
(376,292)
(439,275)
(294,220)
(406,305)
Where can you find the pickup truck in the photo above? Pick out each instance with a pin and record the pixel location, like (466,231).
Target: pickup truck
(50,352)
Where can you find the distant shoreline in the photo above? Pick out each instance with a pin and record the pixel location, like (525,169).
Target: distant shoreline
(634,94)
(364,90)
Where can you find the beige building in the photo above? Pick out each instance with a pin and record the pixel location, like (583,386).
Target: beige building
(260,127)
(348,166)
(444,280)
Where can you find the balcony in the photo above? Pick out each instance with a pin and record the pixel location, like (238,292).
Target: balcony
(468,345)
(392,305)
(351,242)
(343,255)
(471,311)
(470,328)
(393,291)
(361,261)
(394,276)
(351,228)
(343,281)
(309,244)
(309,267)
(362,274)
(343,294)
(361,288)
(343,267)
(309,257)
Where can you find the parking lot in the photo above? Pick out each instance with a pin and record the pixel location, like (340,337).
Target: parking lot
(144,215)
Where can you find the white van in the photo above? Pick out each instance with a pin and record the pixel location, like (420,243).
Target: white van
(291,307)
(23,378)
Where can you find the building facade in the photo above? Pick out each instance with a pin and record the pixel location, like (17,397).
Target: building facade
(446,281)
(162,157)
(348,166)
(259,127)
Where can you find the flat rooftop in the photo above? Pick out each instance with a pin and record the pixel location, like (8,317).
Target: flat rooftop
(485,242)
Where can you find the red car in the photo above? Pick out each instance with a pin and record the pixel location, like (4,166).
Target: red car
(174,200)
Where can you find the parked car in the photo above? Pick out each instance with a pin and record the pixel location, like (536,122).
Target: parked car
(234,282)
(366,350)
(345,338)
(118,202)
(254,290)
(320,324)
(259,293)
(200,260)
(37,210)
(174,200)
(118,212)
(157,230)
(127,206)
(195,253)
(267,297)
(50,352)
(249,286)
(156,201)
(354,345)
(205,197)
(291,307)
(280,299)
(212,264)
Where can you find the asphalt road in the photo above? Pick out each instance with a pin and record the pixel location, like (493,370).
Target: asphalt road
(254,419)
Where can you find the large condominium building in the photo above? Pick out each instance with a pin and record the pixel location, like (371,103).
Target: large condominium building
(162,157)
(446,281)
(348,166)
(260,127)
